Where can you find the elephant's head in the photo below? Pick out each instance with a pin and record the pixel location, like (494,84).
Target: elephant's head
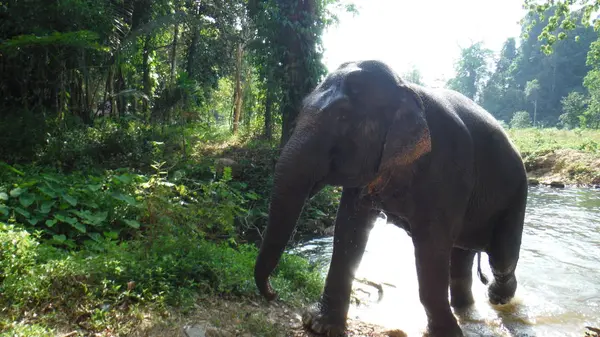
(361,121)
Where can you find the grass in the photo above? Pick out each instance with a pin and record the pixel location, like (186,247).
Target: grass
(533,140)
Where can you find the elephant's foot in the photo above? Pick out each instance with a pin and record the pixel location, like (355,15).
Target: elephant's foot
(450,329)
(315,320)
(461,295)
(502,291)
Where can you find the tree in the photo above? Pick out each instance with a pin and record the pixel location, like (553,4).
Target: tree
(413,75)
(288,52)
(500,95)
(532,91)
(520,120)
(574,107)
(471,70)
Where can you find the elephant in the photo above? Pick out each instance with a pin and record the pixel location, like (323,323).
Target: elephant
(432,159)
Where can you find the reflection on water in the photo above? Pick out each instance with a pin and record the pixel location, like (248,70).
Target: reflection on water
(558,273)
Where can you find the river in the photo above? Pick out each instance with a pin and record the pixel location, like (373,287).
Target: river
(558,273)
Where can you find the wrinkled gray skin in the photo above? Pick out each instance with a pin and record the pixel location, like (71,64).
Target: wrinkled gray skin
(436,163)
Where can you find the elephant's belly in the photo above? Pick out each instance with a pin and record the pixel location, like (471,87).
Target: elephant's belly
(474,236)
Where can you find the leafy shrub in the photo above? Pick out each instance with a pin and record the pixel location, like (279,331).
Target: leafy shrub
(72,209)
(520,120)
(107,144)
(167,271)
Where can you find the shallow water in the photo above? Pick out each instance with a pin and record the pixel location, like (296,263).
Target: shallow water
(558,273)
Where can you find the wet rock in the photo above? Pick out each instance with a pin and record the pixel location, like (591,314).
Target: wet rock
(557,184)
(533,182)
(194,331)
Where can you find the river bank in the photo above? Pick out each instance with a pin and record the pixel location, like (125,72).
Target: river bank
(559,157)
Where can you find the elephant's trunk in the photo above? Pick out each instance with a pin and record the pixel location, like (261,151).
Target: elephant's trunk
(295,175)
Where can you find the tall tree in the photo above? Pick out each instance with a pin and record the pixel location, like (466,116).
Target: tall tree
(532,90)
(500,95)
(471,70)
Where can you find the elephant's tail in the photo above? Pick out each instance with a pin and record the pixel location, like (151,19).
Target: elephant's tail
(482,277)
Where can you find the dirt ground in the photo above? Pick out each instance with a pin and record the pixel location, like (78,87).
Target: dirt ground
(226,318)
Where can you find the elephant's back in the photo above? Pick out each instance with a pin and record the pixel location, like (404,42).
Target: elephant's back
(497,168)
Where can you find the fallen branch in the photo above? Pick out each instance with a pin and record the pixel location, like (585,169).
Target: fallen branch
(377,286)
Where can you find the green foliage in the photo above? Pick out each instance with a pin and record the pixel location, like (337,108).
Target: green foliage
(78,39)
(574,107)
(520,120)
(413,76)
(72,210)
(165,271)
(471,70)
(557,74)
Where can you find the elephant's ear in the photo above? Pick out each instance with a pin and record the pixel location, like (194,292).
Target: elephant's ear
(408,136)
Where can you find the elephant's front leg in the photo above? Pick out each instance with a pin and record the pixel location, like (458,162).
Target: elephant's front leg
(432,257)
(353,223)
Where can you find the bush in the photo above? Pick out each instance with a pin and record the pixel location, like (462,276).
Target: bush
(74,209)
(520,120)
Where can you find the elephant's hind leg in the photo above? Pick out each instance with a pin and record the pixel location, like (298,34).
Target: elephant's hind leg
(461,278)
(504,252)
(353,223)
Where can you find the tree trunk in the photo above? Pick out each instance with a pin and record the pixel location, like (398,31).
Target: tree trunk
(174,53)
(299,41)
(268,113)
(534,112)
(146,74)
(238,89)
(87,101)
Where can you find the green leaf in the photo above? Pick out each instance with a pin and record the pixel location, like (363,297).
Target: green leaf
(79,226)
(132,223)
(66,219)
(27,199)
(47,191)
(46,207)
(89,218)
(22,212)
(71,200)
(4,210)
(16,192)
(3,196)
(125,178)
(51,223)
(50,178)
(94,188)
(34,220)
(59,238)
(126,198)
(95,236)
(111,235)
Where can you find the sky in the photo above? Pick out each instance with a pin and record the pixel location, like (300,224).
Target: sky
(425,33)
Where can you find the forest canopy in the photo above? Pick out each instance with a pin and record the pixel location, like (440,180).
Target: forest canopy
(529,84)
